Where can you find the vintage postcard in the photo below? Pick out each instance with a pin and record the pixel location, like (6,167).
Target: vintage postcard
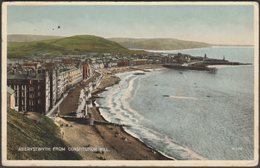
(130,84)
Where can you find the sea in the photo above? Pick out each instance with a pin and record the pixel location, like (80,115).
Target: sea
(189,115)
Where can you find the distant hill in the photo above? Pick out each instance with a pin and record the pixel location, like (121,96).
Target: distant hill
(25,132)
(79,44)
(29,37)
(158,43)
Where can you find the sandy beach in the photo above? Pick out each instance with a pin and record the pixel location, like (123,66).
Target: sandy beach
(103,140)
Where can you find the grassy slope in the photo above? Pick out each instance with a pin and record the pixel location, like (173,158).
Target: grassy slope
(69,45)
(24,132)
(158,43)
(29,37)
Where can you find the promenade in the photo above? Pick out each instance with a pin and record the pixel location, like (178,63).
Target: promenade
(118,144)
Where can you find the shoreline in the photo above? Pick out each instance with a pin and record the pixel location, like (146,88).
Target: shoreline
(123,145)
(120,144)
(103,88)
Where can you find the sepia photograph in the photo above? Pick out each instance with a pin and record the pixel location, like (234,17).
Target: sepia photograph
(130,84)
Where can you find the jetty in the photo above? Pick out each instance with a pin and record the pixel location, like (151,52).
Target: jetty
(187,62)
(190,67)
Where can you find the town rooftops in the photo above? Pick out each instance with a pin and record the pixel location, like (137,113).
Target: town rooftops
(65,68)
(32,76)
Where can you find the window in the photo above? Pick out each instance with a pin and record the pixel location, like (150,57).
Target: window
(23,94)
(31,103)
(22,102)
(39,93)
(31,89)
(31,95)
(39,102)
(23,87)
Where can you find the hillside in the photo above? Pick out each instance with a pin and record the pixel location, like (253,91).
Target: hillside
(25,132)
(158,43)
(29,37)
(79,44)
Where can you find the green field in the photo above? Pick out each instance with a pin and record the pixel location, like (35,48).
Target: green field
(25,132)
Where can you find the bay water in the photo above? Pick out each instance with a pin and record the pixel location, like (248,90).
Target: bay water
(189,114)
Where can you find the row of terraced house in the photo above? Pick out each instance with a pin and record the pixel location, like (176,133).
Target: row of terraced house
(37,86)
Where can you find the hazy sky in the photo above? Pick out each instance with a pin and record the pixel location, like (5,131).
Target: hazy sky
(213,24)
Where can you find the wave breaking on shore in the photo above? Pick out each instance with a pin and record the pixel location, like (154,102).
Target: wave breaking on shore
(117,98)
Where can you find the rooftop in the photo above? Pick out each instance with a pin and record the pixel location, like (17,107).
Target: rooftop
(33,76)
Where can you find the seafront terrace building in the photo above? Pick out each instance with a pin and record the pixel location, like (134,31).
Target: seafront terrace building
(62,83)
(86,70)
(138,62)
(52,71)
(75,75)
(39,90)
(31,89)
(67,77)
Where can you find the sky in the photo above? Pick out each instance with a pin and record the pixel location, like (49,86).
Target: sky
(212,24)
